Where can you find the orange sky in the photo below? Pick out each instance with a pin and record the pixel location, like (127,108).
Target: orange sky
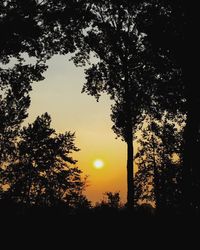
(60,95)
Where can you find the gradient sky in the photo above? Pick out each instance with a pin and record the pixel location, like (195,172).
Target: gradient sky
(60,95)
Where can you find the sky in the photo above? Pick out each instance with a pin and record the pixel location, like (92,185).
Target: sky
(60,95)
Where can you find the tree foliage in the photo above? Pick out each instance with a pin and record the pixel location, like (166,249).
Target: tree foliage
(43,173)
(15,85)
(159,159)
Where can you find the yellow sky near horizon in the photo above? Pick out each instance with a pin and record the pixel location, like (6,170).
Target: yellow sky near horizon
(60,95)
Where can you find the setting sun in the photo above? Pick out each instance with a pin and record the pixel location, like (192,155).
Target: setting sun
(98,164)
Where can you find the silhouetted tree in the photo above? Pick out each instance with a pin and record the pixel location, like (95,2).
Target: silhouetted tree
(113,199)
(159,160)
(32,27)
(21,29)
(109,204)
(15,85)
(113,38)
(29,27)
(42,173)
(170,27)
(127,70)
(61,23)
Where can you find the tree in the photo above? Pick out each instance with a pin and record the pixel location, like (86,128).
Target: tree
(110,203)
(112,37)
(30,27)
(170,28)
(159,159)
(15,85)
(113,199)
(42,173)
(125,70)
(19,24)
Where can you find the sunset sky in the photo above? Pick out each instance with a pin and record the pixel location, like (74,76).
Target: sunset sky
(60,95)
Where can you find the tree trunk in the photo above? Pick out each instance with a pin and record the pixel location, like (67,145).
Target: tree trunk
(130,169)
(129,136)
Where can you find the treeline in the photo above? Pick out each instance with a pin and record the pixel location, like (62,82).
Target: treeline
(145,61)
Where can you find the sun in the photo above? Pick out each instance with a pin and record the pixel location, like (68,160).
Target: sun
(98,164)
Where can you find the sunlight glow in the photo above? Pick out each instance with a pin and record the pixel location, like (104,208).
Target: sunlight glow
(98,164)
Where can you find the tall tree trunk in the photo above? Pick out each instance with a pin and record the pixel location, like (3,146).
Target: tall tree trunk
(129,136)
(130,168)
